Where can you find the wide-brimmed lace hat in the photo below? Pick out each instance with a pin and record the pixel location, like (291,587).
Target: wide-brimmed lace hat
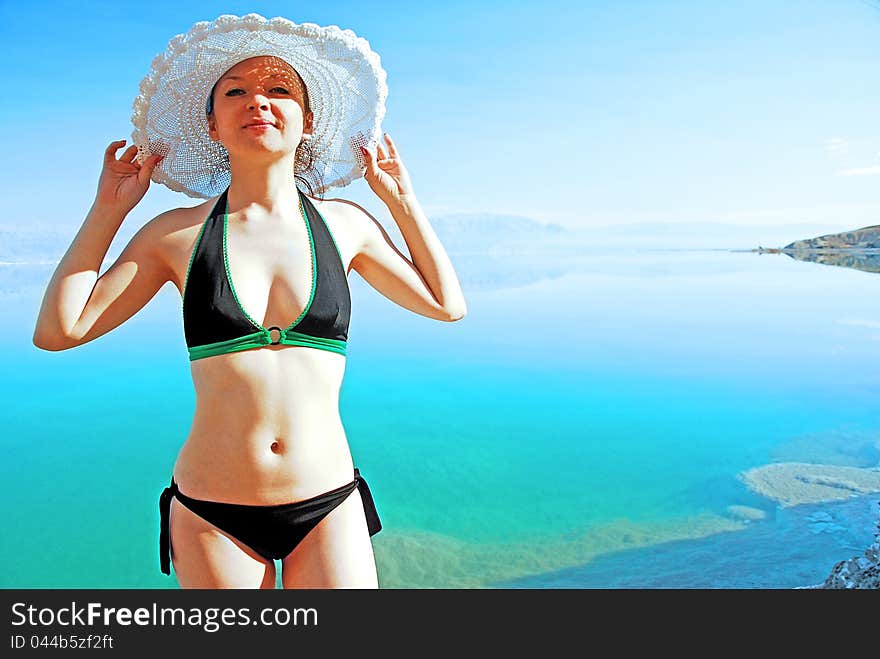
(344,78)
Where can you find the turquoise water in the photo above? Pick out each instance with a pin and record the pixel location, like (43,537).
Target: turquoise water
(590,405)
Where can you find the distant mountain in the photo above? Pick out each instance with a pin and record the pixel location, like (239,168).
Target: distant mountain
(479,232)
(32,243)
(865,238)
(508,225)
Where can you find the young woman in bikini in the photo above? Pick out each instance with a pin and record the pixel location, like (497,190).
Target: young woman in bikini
(266,472)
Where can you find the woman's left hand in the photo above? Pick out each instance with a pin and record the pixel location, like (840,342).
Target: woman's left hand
(386,173)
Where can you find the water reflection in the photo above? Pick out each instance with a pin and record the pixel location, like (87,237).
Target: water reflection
(867,260)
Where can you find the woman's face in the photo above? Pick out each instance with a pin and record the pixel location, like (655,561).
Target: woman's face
(264,89)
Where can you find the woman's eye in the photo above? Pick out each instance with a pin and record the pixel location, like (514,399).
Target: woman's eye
(281,88)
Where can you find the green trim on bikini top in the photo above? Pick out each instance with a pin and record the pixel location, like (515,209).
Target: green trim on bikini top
(263,338)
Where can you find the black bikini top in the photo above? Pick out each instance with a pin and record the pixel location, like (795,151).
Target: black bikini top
(214,321)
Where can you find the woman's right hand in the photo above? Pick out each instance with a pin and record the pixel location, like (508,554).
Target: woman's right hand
(123,182)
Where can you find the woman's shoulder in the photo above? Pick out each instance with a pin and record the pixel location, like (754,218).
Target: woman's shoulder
(175,223)
(174,233)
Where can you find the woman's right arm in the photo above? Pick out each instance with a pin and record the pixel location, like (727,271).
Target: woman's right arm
(79,305)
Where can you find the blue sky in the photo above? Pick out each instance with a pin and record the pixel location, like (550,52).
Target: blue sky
(581,113)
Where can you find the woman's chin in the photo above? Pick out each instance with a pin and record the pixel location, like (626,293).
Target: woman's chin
(265,146)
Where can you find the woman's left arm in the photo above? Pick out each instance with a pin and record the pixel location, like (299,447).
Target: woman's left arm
(380,262)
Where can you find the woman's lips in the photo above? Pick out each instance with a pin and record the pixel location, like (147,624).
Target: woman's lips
(259,126)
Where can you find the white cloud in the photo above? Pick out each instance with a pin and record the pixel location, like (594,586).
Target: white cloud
(861,171)
(860,322)
(835,145)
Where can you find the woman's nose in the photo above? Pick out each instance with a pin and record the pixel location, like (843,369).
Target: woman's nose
(260,101)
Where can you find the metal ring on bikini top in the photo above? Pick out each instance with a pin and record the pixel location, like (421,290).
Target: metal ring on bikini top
(280,334)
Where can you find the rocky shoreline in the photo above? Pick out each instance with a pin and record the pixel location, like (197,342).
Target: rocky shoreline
(860,572)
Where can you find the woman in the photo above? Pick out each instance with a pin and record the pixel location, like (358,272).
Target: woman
(266,472)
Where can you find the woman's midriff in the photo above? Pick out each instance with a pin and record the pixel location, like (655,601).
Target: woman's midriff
(266,428)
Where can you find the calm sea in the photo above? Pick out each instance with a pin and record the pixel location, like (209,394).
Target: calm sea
(584,426)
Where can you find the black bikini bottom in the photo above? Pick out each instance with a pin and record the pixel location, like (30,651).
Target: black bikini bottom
(271,531)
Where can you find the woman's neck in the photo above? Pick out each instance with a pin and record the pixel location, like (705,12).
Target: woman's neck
(263,188)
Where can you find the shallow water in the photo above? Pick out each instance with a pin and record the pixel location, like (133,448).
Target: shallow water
(589,404)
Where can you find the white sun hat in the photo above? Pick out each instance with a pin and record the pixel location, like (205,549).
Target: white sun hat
(344,78)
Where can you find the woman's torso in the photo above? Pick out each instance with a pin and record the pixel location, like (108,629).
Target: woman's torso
(266,427)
